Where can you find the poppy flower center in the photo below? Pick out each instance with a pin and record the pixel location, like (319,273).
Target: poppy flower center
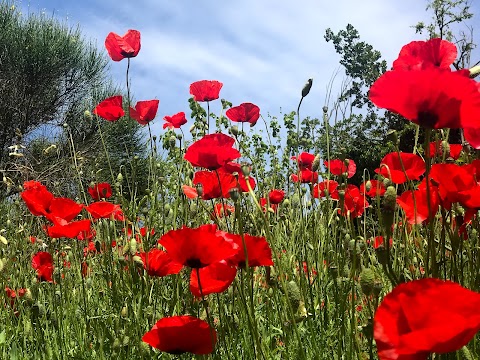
(194,263)
(427,119)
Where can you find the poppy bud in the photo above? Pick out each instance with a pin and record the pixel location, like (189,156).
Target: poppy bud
(325,109)
(1,265)
(316,163)
(88,115)
(392,136)
(246,170)
(390,199)
(192,129)
(133,246)
(172,141)
(466,354)
(234,130)
(286,202)
(138,261)
(179,136)
(124,312)
(368,185)
(293,294)
(119,177)
(475,71)
(234,194)
(199,188)
(367,281)
(307,87)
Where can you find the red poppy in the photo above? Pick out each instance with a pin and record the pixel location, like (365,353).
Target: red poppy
(42,262)
(418,207)
(110,109)
(304,160)
(258,250)
(329,185)
(378,242)
(263,204)
(354,203)
(181,334)
(215,278)
(339,167)
(470,198)
(246,112)
(199,247)
(425,316)
(105,210)
(144,111)
(451,179)
(431,98)
(426,54)
(159,263)
(62,210)
(100,191)
(214,185)
(175,121)
(37,198)
(393,165)
(212,151)
(472,135)
(276,196)
(373,188)
(236,170)
(306,176)
(205,90)
(453,150)
(121,47)
(221,210)
(69,230)
(190,192)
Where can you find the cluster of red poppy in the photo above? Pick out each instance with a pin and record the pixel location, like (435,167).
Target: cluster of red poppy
(429,315)
(61,212)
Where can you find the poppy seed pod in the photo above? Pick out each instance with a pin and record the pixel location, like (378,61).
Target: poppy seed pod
(367,281)
(316,163)
(390,199)
(307,87)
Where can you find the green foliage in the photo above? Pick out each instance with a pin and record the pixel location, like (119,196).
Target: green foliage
(50,76)
(358,130)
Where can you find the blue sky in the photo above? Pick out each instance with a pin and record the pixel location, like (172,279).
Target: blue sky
(262,50)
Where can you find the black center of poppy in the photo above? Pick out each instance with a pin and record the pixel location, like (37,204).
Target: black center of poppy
(176,352)
(427,119)
(194,263)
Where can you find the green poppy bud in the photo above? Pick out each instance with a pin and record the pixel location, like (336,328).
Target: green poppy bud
(307,87)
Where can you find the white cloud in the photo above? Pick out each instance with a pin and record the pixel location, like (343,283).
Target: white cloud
(262,50)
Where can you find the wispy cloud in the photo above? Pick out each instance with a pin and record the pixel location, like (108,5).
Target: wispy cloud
(263,51)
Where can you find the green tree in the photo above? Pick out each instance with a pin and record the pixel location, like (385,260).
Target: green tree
(49,76)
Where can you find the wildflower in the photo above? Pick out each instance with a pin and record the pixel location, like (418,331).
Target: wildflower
(339,167)
(144,111)
(197,247)
(205,90)
(121,47)
(175,121)
(42,262)
(426,54)
(431,98)
(100,191)
(159,263)
(400,167)
(214,278)
(110,109)
(425,316)
(212,151)
(181,334)
(246,112)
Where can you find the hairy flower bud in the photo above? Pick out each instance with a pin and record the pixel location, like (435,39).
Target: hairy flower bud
(367,281)
(307,87)
(316,163)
